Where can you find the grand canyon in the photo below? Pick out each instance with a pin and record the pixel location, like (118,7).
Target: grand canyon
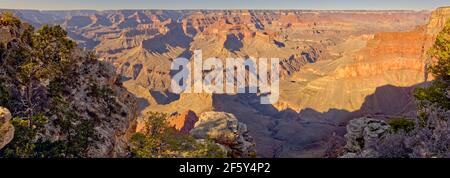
(336,66)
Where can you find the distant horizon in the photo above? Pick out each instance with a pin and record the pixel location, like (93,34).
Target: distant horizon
(100,10)
(326,5)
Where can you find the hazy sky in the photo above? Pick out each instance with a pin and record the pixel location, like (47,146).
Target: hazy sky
(221,4)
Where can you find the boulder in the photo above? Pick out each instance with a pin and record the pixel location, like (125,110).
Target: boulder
(220,126)
(6,128)
(362,136)
(226,130)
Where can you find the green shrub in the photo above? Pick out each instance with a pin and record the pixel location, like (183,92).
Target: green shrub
(401,124)
(4,95)
(43,63)
(430,137)
(8,19)
(436,94)
(161,141)
(26,131)
(79,133)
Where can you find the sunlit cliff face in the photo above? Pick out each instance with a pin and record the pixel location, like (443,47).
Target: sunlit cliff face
(333,65)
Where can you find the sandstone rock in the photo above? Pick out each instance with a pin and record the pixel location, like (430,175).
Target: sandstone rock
(438,19)
(226,130)
(6,128)
(184,122)
(96,95)
(116,127)
(222,127)
(435,25)
(362,136)
(402,44)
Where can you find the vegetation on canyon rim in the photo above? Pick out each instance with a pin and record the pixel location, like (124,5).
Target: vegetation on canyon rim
(161,141)
(35,73)
(429,134)
(39,72)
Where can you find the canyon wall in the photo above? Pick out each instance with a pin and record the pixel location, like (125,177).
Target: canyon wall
(335,65)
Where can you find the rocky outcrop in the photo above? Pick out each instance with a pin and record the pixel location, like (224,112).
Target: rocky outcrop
(437,22)
(96,97)
(226,130)
(362,136)
(115,130)
(6,128)
(401,44)
(183,122)
(438,19)
(92,95)
(222,128)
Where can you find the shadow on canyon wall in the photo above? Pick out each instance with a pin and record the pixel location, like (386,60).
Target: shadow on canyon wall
(164,97)
(174,38)
(307,133)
